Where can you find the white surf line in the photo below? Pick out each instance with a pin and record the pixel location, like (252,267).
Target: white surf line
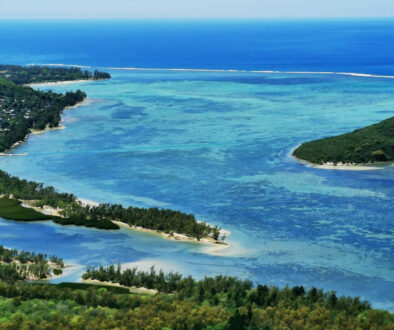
(353,74)
(2,154)
(366,75)
(60,64)
(167,69)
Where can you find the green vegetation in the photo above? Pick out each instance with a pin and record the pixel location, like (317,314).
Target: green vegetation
(23,108)
(215,303)
(12,209)
(370,144)
(101,216)
(38,74)
(21,265)
(57,272)
(86,222)
(211,303)
(86,286)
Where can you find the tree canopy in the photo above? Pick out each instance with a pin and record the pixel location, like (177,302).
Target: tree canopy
(370,144)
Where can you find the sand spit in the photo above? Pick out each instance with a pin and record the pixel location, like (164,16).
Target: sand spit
(174,236)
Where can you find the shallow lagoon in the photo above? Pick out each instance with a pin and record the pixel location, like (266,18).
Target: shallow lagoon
(218,145)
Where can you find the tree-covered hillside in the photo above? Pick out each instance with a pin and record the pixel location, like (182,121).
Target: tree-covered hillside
(370,144)
(212,303)
(23,108)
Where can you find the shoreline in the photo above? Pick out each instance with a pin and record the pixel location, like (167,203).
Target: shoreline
(85,202)
(86,101)
(264,71)
(339,166)
(64,82)
(49,277)
(65,272)
(176,236)
(212,246)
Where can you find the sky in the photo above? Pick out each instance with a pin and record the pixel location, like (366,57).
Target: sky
(57,9)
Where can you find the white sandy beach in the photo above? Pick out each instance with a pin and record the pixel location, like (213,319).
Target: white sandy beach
(86,202)
(175,236)
(338,166)
(66,82)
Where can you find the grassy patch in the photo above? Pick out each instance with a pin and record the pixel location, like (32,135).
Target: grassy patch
(12,209)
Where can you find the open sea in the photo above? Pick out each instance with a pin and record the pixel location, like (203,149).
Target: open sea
(218,144)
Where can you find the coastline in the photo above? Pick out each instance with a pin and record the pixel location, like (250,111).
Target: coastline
(177,236)
(215,245)
(339,166)
(52,83)
(86,101)
(212,247)
(49,277)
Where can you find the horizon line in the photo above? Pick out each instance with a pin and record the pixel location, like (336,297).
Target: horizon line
(199,18)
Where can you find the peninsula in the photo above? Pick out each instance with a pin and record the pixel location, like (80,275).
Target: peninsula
(368,145)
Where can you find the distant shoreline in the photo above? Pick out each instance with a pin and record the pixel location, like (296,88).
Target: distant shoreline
(38,131)
(338,73)
(64,82)
(339,166)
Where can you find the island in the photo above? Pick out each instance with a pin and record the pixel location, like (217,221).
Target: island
(23,110)
(369,145)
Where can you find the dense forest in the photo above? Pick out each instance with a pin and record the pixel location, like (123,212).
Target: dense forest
(21,265)
(23,108)
(370,144)
(37,74)
(211,303)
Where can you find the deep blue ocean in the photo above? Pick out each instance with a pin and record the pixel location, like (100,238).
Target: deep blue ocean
(218,144)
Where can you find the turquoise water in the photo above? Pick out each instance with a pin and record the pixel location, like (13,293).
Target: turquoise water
(218,145)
